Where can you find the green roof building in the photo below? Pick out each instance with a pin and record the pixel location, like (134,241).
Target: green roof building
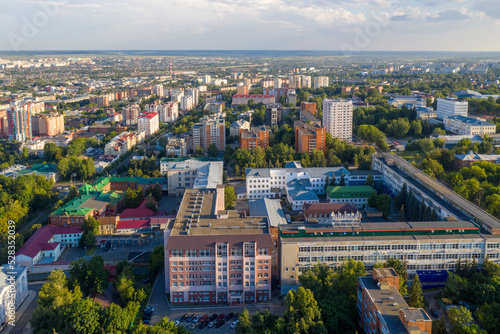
(357,195)
(48,171)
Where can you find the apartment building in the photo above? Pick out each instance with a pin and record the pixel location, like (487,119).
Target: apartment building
(466,160)
(148,123)
(187,103)
(158,91)
(237,126)
(13,291)
(257,136)
(19,121)
(213,256)
(320,82)
(256,98)
(337,118)
(274,115)
(103,100)
(47,124)
(131,114)
(461,125)
(184,174)
(195,94)
(309,106)
(309,137)
(176,147)
(449,107)
(382,309)
(168,112)
(243,89)
(123,142)
(210,129)
(349,90)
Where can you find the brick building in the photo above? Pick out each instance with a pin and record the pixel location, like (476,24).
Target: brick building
(309,137)
(309,106)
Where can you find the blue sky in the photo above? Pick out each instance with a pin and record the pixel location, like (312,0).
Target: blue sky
(424,25)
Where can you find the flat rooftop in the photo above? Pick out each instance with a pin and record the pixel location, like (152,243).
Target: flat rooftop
(197,217)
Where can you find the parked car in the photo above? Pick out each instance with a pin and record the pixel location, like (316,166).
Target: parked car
(235,323)
(193,326)
(212,317)
(212,324)
(236,316)
(147,309)
(145,322)
(184,317)
(196,318)
(220,323)
(221,316)
(203,324)
(229,316)
(190,318)
(203,318)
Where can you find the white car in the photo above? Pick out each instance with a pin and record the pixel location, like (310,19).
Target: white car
(177,323)
(235,323)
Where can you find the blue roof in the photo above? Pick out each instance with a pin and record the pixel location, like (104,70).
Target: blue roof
(293,164)
(303,195)
(471,121)
(299,184)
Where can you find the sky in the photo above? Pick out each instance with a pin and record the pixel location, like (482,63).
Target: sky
(354,25)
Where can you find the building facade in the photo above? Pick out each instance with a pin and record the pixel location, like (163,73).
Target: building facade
(337,118)
(274,115)
(241,124)
(148,123)
(309,137)
(451,107)
(309,106)
(461,125)
(320,82)
(19,121)
(131,114)
(47,124)
(257,136)
(211,129)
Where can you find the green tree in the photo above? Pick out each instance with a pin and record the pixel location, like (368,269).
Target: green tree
(156,260)
(460,317)
(229,197)
(245,324)
(489,317)
(89,275)
(85,317)
(302,314)
(212,150)
(416,299)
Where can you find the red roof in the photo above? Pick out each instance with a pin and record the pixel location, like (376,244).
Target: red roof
(136,213)
(253,95)
(149,115)
(40,239)
(132,224)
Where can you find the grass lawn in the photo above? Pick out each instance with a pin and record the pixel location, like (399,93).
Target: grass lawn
(411,155)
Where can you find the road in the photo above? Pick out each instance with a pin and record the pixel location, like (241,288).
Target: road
(23,320)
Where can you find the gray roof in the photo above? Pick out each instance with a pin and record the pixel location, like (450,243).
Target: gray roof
(299,184)
(471,121)
(303,195)
(209,176)
(270,208)
(293,164)
(315,172)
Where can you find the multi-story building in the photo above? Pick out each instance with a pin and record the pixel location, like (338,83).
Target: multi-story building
(309,137)
(241,124)
(309,106)
(320,82)
(357,195)
(158,91)
(194,93)
(451,107)
(379,89)
(13,291)
(131,114)
(103,100)
(19,121)
(47,124)
(382,309)
(184,174)
(243,89)
(122,143)
(214,256)
(337,118)
(257,136)
(466,160)
(349,90)
(211,129)
(177,147)
(4,124)
(461,125)
(306,117)
(148,123)
(187,103)
(400,101)
(274,115)
(331,213)
(168,112)
(256,98)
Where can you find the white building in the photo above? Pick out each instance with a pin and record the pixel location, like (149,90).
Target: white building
(241,124)
(337,118)
(148,123)
(168,112)
(122,143)
(158,90)
(194,93)
(451,107)
(187,103)
(320,82)
(468,126)
(13,291)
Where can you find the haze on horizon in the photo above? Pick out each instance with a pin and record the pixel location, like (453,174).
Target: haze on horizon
(361,25)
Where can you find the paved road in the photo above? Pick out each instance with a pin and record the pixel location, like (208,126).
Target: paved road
(23,321)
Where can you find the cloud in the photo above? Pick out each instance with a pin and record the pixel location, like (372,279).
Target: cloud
(449,15)
(489,7)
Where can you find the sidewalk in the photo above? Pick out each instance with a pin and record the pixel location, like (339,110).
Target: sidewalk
(20,311)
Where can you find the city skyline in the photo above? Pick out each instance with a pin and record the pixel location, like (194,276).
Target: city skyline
(358,25)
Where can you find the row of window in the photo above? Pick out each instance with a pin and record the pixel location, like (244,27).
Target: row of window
(385,257)
(360,248)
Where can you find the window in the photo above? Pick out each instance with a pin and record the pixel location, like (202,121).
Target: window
(304,249)
(176,252)
(190,252)
(263,251)
(205,252)
(236,251)
(303,259)
(221,249)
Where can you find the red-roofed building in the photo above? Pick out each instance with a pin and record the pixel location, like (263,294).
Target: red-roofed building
(257,98)
(47,244)
(148,123)
(133,226)
(138,213)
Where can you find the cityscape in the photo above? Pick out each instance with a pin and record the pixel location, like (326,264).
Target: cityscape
(335,169)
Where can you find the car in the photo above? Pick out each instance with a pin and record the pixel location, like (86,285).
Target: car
(146,309)
(235,323)
(193,326)
(196,318)
(212,317)
(177,323)
(203,318)
(236,316)
(212,324)
(221,316)
(184,317)
(220,323)
(203,324)
(145,322)
(190,318)
(434,313)
(229,316)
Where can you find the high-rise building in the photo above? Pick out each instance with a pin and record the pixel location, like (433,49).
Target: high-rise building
(243,89)
(148,123)
(19,121)
(320,82)
(309,106)
(294,81)
(168,112)
(186,103)
(158,91)
(274,115)
(451,107)
(309,137)
(47,124)
(337,118)
(210,129)
(131,113)
(306,81)
(194,93)
(255,137)
(4,124)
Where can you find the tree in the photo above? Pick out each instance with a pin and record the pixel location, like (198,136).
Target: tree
(416,299)
(384,202)
(212,150)
(245,324)
(459,318)
(85,317)
(398,128)
(372,200)
(369,180)
(229,197)
(302,314)
(400,268)
(90,276)
(489,317)
(56,292)
(156,260)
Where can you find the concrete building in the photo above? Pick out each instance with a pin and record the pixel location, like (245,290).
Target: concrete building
(309,137)
(400,101)
(158,91)
(148,123)
(187,103)
(331,213)
(131,113)
(257,98)
(168,112)
(466,160)
(13,291)
(349,90)
(382,309)
(122,143)
(243,89)
(309,106)
(274,115)
(19,121)
(213,256)
(184,174)
(306,117)
(468,126)
(357,195)
(47,124)
(337,118)
(320,82)
(195,94)
(103,100)
(211,129)
(236,126)
(451,107)
(257,136)
(176,147)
